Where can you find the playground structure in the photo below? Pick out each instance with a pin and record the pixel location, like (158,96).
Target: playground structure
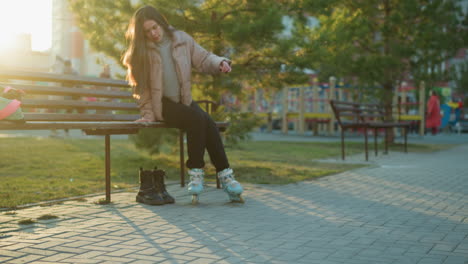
(453,118)
(307,107)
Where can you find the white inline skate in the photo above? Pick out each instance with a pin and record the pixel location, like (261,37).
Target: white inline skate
(195,186)
(232,187)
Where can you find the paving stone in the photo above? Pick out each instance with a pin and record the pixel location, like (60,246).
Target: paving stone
(142,262)
(456,260)
(30,258)
(120,252)
(113,259)
(431,261)
(444,247)
(58,257)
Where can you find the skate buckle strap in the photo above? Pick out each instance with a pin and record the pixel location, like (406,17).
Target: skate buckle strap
(229,181)
(225,172)
(196,175)
(227,177)
(195,179)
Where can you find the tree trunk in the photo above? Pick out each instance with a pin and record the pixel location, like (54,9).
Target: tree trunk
(388,85)
(387,103)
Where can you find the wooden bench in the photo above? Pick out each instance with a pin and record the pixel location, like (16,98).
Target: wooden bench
(94,105)
(350,115)
(374,115)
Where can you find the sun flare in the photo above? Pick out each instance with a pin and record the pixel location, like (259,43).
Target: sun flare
(20,17)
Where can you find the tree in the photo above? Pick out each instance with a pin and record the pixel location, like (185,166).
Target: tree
(380,42)
(246,31)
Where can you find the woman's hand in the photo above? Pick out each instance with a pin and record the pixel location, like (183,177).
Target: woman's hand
(143,120)
(224,67)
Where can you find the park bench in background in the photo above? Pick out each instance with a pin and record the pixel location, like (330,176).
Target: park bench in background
(351,115)
(96,106)
(374,116)
(348,116)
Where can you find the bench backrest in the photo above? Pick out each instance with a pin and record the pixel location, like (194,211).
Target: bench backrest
(54,97)
(346,112)
(372,113)
(358,113)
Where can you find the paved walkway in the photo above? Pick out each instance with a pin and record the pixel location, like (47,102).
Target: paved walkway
(403,208)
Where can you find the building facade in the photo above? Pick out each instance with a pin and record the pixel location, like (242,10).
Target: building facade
(68,43)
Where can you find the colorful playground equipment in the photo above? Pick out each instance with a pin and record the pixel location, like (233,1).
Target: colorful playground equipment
(305,108)
(410,107)
(451,115)
(300,107)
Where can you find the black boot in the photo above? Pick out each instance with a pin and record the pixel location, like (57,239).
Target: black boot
(160,186)
(147,193)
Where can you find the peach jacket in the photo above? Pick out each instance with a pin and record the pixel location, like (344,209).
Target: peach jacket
(186,53)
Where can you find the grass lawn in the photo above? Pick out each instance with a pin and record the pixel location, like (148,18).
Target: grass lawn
(40,169)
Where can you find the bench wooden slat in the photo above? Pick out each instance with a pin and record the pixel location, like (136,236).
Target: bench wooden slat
(46,125)
(103,132)
(79,117)
(61,78)
(108,125)
(371,115)
(54,118)
(64,91)
(74,104)
(352,114)
(379,124)
(347,109)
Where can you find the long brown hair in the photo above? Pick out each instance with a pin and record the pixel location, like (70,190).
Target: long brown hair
(136,57)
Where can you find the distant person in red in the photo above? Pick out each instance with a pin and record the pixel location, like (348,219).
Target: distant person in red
(433,113)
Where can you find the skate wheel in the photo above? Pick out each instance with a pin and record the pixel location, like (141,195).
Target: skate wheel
(239,199)
(194,199)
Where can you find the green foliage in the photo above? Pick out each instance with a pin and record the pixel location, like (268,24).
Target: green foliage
(28,221)
(104,23)
(102,201)
(10,213)
(156,141)
(240,125)
(47,217)
(380,42)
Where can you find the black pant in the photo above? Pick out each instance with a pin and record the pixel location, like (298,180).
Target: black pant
(201,133)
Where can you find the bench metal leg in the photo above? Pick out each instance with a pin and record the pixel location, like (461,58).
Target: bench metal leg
(365,143)
(386,141)
(108,181)
(342,145)
(406,139)
(376,147)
